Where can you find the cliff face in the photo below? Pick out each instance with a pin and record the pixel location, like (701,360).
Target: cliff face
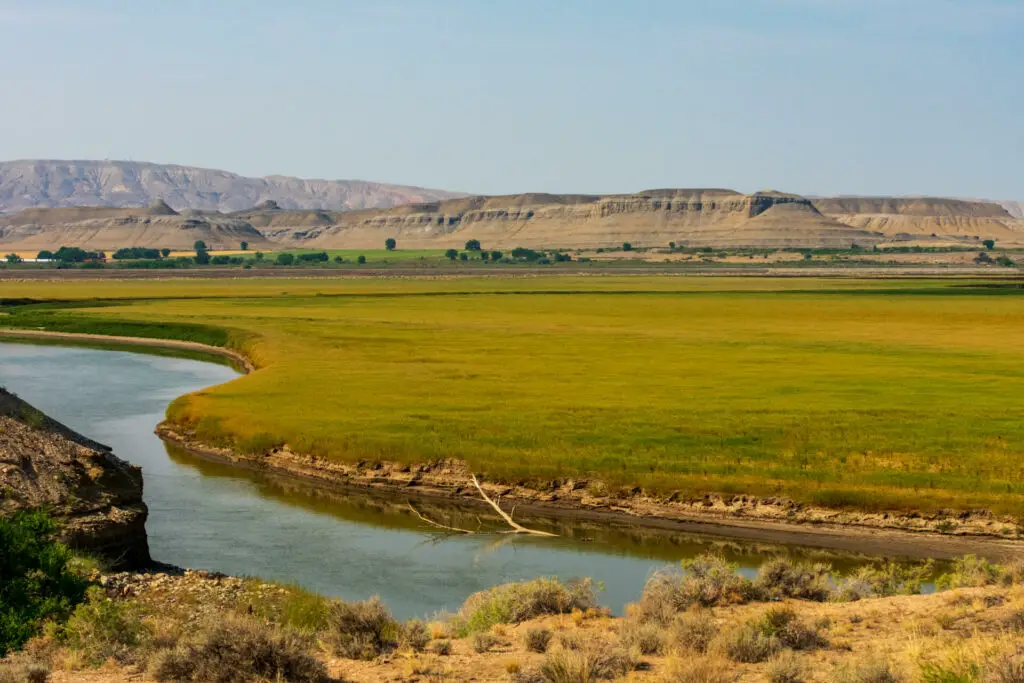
(49,183)
(691,217)
(94,495)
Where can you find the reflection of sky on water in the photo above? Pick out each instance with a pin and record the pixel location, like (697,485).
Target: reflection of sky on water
(209,516)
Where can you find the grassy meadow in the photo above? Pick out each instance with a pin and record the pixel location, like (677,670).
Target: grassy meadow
(866,393)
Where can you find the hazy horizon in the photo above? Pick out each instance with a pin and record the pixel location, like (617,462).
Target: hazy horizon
(876,97)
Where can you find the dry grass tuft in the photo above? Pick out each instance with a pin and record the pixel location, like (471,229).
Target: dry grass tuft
(361,630)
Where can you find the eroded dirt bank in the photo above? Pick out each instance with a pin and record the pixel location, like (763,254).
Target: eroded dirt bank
(774,520)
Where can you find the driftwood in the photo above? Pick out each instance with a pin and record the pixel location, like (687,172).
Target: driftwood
(517,528)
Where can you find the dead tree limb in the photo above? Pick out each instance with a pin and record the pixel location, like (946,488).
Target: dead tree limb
(516,527)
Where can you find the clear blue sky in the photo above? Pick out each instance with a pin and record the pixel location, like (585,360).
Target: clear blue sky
(501,96)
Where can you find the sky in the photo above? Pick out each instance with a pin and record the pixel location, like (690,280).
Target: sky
(901,97)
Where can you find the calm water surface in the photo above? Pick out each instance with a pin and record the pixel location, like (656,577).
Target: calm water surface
(215,517)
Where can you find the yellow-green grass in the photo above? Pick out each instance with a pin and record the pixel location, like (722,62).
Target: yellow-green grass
(865,393)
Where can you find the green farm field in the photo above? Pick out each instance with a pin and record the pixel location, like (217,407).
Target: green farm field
(871,394)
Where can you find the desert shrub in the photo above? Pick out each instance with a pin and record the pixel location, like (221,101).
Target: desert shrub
(870,670)
(969,571)
(782,623)
(441,647)
(238,651)
(785,668)
(482,642)
(646,636)
(361,630)
(693,630)
(707,580)
(1008,668)
(886,580)
(37,582)
(414,635)
(23,671)
(747,643)
(537,639)
(586,665)
(102,629)
(782,578)
(701,670)
(513,603)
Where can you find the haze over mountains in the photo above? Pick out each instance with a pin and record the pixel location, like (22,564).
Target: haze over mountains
(186,204)
(43,183)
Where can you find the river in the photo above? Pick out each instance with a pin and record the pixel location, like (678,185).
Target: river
(212,516)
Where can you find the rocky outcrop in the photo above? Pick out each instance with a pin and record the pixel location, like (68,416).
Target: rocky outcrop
(95,496)
(47,183)
(691,217)
(109,229)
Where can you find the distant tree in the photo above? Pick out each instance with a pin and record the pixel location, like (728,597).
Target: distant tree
(285,259)
(13,258)
(260,255)
(338,259)
(361,259)
(202,257)
(526,254)
(199,245)
(983,259)
(165,252)
(562,258)
(244,245)
(390,244)
(451,254)
(45,254)
(808,256)
(1005,262)
(463,256)
(672,246)
(485,256)
(626,246)
(74,254)
(473,245)
(989,244)
(496,255)
(221,260)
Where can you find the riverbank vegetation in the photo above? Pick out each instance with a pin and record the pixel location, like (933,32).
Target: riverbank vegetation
(865,394)
(702,622)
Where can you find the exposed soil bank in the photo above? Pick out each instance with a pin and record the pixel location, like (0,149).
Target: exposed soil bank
(771,520)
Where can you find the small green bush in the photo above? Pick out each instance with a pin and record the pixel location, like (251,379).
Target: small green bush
(883,581)
(968,572)
(537,639)
(646,636)
(36,579)
(442,647)
(361,630)
(102,629)
(782,623)
(513,603)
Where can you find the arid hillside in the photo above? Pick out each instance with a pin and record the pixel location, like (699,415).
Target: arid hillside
(925,217)
(697,217)
(48,184)
(107,229)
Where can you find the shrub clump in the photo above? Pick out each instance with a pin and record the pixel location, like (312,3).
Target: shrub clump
(513,603)
(693,630)
(482,642)
(414,636)
(103,629)
(781,578)
(361,630)
(748,644)
(37,582)
(782,623)
(883,581)
(707,581)
(537,639)
(645,636)
(867,671)
(585,665)
(970,571)
(701,670)
(238,651)
(785,668)
(23,671)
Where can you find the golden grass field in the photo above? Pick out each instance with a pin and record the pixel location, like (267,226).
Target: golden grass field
(867,393)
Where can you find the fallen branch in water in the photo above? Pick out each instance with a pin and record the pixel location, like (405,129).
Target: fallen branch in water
(516,527)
